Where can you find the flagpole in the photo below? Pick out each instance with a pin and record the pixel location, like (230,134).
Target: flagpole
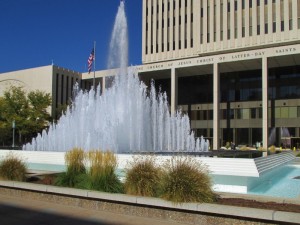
(94,64)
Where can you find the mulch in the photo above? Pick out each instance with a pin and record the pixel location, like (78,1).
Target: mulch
(286,207)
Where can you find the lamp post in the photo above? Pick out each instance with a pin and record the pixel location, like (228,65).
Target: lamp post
(13,127)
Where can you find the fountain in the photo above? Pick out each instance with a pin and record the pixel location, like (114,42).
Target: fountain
(127,117)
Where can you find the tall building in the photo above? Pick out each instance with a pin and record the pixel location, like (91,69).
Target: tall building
(233,65)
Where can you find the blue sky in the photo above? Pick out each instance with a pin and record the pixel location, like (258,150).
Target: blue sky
(35,32)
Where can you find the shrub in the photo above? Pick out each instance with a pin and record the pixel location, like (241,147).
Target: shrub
(143,177)
(272,149)
(186,180)
(75,162)
(13,168)
(102,172)
(227,146)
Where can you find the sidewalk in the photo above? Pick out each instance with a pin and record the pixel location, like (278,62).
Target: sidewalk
(16,211)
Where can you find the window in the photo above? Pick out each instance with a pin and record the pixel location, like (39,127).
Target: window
(238,113)
(260,113)
(194,115)
(62,90)
(253,113)
(223,114)
(284,112)
(57,80)
(210,114)
(292,112)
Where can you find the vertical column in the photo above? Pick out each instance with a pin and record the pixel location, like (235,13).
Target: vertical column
(205,21)
(270,20)
(160,29)
(225,27)
(154,34)
(211,24)
(295,19)
(278,20)
(247,23)
(254,22)
(144,31)
(176,28)
(218,24)
(286,10)
(196,26)
(166,29)
(171,30)
(182,28)
(262,21)
(265,127)
(103,84)
(188,27)
(174,90)
(239,22)
(216,97)
(149,35)
(232,25)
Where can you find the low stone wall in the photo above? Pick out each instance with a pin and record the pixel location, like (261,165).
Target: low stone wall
(192,213)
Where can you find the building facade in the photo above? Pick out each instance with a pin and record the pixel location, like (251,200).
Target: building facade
(56,81)
(233,65)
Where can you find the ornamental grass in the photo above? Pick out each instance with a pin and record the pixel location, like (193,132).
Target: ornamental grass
(143,177)
(102,172)
(75,176)
(186,180)
(13,168)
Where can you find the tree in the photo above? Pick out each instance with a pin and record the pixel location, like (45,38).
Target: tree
(4,129)
(29,111)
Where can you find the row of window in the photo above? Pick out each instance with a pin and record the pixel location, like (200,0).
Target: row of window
(251,113)
(211,33)
(186,3)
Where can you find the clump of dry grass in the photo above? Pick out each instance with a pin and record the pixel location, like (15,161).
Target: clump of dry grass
(102,171)
(13,168)
(186,180)
(75,160)
(143,177)
(75,176)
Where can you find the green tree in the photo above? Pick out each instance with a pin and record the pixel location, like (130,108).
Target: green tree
(29,111)
(39,117)
(4,129)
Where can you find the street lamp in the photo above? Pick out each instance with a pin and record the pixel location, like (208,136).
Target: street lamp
(13,127)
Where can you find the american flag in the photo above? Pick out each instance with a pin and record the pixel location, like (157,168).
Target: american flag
(90,60)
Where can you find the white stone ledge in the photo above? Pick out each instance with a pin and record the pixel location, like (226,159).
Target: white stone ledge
(112,196)
(287,217)
(29,186)
(250,213)
(66,191)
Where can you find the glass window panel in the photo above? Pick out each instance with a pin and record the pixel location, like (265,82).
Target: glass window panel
(277,112)
(245,114)
(284,112)
(260,113)
(253,113)
(292,112)
(210,114)
(238,113)
(194,115)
